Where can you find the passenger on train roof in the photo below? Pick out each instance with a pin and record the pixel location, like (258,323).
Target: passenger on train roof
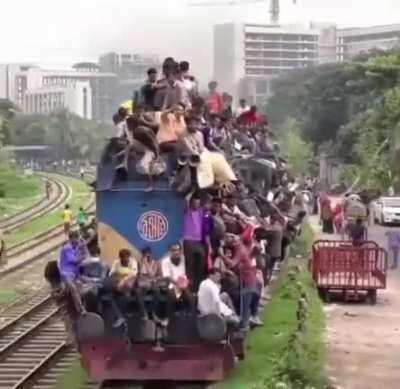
(149,89)
(195,241)
(70,257)
(124,271)
(67,297)
(173,266)
(210,300)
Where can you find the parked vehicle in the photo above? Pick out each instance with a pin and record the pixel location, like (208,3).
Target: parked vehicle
(386,210)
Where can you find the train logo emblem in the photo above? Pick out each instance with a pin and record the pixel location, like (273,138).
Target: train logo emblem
(152,226)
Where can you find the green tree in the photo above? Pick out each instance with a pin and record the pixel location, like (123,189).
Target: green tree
(298,151)
(69,135)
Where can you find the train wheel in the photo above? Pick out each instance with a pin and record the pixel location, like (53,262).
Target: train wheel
(372,297)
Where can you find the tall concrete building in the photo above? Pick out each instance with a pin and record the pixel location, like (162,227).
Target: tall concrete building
(353,41)
(131,70)
(18,80)
(247,57)
(76,97)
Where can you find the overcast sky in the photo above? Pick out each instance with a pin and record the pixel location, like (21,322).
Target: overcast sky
(64,31)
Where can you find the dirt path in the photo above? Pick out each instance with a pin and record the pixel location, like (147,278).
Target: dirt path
(363,341)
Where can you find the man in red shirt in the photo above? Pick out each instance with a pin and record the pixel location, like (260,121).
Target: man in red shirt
(215,104)
(247,270)
(250,118)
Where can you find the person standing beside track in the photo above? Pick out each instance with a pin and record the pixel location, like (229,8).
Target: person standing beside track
(3,261)
(67,219)
(48,189)
(82,219)
(393,245)
(358,233)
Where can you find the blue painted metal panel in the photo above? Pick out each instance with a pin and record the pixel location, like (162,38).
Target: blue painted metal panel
(152,219)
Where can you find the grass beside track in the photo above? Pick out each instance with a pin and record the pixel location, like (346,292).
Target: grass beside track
(17,191)
(79,198)
(272,360)
(7,295)
(75,377)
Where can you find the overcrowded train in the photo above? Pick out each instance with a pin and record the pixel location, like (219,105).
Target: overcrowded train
(195,207)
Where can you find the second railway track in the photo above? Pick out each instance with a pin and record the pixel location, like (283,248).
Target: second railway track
(29,339)
(60,194)
(33,352)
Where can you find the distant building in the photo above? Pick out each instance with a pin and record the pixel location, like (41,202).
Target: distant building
(76,97)
(103,87)
(9,87)
(354,41)
(247,57)
(131,70)
(128,65)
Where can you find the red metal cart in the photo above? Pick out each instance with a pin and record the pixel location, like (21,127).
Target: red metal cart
(340,266)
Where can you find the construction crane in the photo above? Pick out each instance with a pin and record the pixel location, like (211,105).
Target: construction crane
(274,6)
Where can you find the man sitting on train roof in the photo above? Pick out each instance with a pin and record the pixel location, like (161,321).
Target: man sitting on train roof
(71,256)
(67,297)
(173,266)
(210,300)
(124,271)
(150,88)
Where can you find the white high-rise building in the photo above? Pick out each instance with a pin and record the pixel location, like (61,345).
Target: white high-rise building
(247,57)
(18,80)
(75,97)
(354,41)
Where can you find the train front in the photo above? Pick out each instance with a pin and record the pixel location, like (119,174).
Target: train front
(131,217)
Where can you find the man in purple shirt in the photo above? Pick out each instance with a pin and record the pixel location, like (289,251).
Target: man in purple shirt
(393,244)
(70,258)
(195,238)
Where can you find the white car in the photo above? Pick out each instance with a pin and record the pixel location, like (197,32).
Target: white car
(386,210)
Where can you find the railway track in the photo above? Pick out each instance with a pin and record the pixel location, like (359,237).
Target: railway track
(26,252)
(29,340)
(60,194)
(33,352)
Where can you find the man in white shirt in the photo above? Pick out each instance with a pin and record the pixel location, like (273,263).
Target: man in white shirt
(229,205)
(209,298)
(173,266)
(243,107)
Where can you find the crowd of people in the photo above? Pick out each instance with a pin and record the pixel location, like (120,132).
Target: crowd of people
(243,209)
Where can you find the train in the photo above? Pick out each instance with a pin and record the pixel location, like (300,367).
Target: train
(191,349)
